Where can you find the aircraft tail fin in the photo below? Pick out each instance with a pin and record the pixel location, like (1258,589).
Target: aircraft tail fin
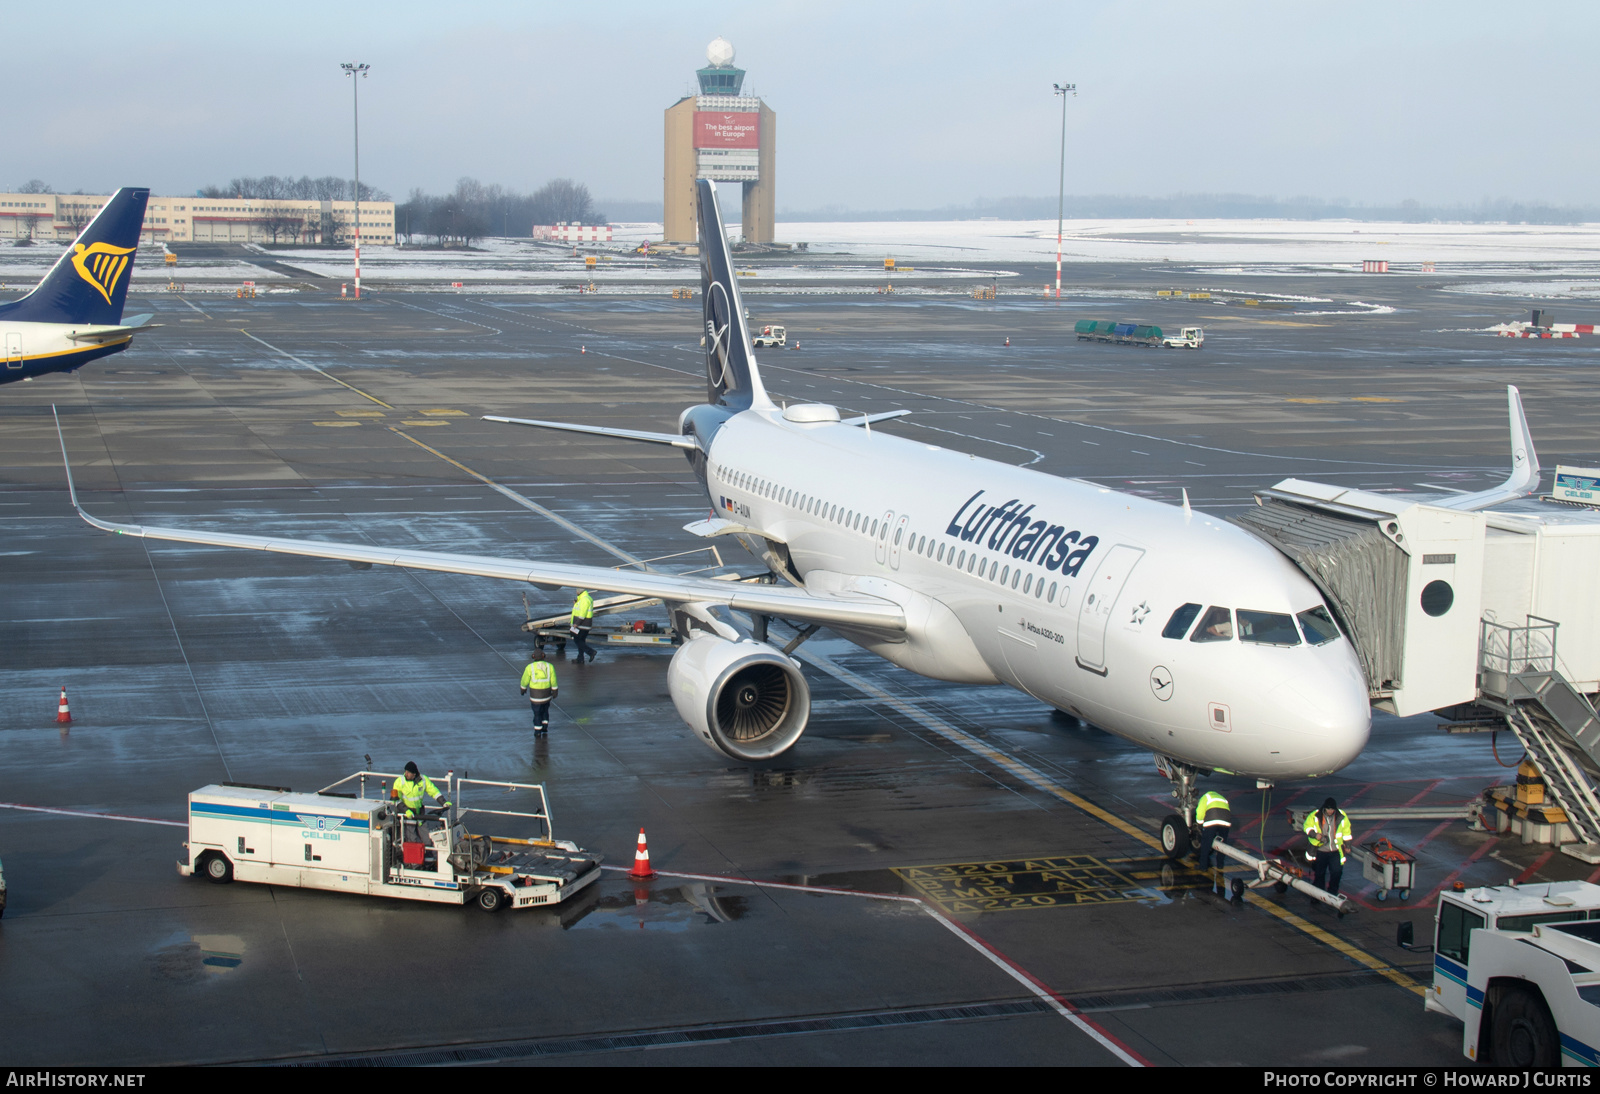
(732,378)
(89,282)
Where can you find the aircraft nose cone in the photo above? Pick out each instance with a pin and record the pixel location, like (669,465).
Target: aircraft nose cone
(1329,715)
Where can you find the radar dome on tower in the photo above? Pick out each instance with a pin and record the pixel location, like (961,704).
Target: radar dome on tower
(719,54)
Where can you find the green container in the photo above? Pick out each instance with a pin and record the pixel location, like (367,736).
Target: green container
(1085,326)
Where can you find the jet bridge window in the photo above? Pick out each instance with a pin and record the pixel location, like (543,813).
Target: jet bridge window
(1267,628)
(1318,625)
(1456,925)
(1217,626)
(1178,625)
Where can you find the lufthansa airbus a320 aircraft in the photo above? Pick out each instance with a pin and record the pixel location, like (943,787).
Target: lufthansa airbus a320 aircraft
(74,315)
(1180,632)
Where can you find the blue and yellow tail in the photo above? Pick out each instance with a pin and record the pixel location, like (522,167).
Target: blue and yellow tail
(89,283)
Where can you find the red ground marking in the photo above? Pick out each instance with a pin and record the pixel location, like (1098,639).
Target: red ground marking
(1538,862)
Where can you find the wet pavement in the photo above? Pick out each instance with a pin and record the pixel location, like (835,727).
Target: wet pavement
(909,885)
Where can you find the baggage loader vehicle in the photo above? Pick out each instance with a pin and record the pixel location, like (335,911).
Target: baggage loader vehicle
(342,839)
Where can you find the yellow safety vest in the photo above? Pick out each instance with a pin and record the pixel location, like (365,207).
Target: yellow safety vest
(1212,810)
(1341,833)
(411,792)
(583,610)
(539,678)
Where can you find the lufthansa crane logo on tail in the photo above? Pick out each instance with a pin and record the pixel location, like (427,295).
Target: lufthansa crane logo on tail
(102,265)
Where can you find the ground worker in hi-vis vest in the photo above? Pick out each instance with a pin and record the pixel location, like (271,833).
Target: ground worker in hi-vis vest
(582,620)
(410,788)
(1328,829)
(1215,822)
(539,685)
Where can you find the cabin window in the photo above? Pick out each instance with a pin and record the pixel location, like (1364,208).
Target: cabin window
(1052,590)
(898,532)
(1267,628)
(833,513)
(1016,577)
(940,556)
(1027,584)
(1005,574)
(1178,625)
(961,560)
(1318,625)
(970,561)
(875,527)
(1217,626)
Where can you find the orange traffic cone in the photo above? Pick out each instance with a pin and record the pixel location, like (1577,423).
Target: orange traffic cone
(641,860)
(583,349)
(1008,339)
(62,713)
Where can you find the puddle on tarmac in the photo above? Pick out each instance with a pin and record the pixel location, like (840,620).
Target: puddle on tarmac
(189,958)
(654,906)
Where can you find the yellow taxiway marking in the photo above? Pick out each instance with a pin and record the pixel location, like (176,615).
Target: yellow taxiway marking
(313,368)
(440,412)
(359,413)
(422,421)
(337,425)
(1372,399)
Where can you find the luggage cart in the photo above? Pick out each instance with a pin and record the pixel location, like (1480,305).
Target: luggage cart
(1390,868)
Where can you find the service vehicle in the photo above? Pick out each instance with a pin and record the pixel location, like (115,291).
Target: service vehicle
(771,335)
(1519,965)
(1188,338)
(341,839)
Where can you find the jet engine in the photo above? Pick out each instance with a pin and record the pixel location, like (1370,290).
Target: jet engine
(744,699)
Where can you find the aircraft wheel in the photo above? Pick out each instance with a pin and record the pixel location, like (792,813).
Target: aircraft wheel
(1174,837)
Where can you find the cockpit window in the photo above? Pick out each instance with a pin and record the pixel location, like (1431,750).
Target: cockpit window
(1216,626)
(1318,625)
(1178,625)
(1267,628)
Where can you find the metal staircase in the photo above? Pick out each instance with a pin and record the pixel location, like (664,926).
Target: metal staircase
(1556,724)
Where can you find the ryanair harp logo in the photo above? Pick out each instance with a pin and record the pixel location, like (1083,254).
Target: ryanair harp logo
(101,264)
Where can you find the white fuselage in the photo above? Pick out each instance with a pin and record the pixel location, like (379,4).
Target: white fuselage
(33,349)
(1055,586)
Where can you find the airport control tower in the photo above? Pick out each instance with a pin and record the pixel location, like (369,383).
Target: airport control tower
(723,135)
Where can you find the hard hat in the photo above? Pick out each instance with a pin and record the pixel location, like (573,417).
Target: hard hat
(411,767)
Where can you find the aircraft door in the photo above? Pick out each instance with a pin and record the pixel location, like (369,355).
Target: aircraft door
(894,543)
(1099,600)
(13,349)
(881,547)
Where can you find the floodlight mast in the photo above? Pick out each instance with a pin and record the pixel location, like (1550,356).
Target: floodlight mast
(1061,200)
(353,70)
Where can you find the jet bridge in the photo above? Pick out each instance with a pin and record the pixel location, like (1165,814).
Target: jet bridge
(1455,606)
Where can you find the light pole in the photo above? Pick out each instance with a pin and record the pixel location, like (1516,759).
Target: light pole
(354,71)
(1061,200)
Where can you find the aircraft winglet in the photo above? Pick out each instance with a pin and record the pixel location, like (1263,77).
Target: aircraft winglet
(1524,477)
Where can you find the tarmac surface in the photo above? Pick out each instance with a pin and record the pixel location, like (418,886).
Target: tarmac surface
(935,875)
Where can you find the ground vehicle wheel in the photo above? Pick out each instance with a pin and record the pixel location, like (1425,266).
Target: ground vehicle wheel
(1383,894)
(1280,887)
(217,868)
(491,899)
(1405,894)
(1523,1033)
(1174,837)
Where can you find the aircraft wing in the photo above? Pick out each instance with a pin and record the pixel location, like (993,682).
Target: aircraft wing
(674,439)
(1524,477)
(870,613)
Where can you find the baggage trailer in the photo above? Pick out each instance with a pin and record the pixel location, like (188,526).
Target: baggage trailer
(340,839)
(1519,966)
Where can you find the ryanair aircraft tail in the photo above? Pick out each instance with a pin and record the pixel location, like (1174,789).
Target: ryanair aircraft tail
(731,376)
(89,283)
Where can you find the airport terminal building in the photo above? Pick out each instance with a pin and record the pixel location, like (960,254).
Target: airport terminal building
(58,218)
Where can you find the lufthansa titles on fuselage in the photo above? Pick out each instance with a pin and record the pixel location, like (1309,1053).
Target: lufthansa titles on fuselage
(1011,529)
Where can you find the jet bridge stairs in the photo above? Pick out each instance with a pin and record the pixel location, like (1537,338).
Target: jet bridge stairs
(1520,680)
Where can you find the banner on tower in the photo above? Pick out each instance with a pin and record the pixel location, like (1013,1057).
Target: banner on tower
(723,129)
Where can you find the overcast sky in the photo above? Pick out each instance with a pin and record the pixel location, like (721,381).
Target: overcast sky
(880,105)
